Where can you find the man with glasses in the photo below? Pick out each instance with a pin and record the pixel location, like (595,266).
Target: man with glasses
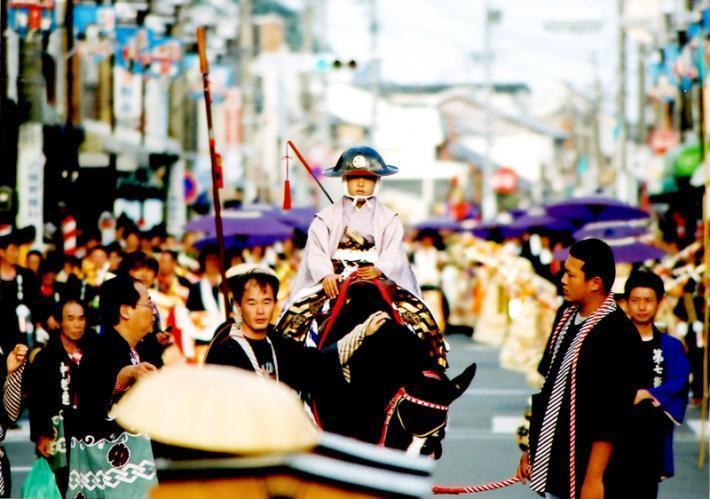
(113,366)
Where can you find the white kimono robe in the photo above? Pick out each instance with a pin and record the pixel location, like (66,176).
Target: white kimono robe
(326,232)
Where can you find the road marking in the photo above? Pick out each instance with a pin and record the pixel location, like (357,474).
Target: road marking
(507,392)
(480,348)
(473,434)
(506,424)
(21,469)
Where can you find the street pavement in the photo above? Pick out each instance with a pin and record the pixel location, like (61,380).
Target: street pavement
(480,441)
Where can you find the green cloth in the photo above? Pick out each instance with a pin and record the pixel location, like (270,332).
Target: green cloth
(119,468)
(40,483)
(58,458)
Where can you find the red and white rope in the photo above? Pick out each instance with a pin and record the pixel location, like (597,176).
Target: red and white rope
(473,489)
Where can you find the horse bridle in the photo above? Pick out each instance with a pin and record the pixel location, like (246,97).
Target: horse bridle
(392,409)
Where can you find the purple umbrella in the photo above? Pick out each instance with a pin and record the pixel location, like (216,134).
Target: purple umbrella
(611,230)
(438,223)
(299,217)
(626,250)
(494,230)
(241,241)
(528,223)
(241,223)
(594,209)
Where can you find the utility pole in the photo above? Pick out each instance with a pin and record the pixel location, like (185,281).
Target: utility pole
(489,202)
(622,176)
(246,81)
(641,75)
(599,163)
(374,70)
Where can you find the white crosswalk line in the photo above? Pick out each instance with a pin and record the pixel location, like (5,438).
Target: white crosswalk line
(505,424)
(500,392)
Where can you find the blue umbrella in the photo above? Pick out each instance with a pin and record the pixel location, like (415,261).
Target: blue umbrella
(594,209)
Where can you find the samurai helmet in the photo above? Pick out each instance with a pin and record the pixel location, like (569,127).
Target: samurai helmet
(360,160)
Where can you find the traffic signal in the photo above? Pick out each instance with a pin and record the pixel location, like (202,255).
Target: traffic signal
(326,63)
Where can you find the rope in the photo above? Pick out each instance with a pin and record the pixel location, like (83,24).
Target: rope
(473,489)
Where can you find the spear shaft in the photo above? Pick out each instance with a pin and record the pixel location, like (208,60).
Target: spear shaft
(309,169)
(216,164)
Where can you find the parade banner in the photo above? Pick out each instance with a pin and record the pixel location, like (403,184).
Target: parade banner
(30,178)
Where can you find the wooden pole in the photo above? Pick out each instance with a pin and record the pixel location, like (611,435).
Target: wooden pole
(706,322)
(216,163)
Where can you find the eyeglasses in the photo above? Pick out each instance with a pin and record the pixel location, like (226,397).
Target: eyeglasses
(150,304)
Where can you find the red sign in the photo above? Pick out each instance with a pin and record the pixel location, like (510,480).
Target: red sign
(505,180)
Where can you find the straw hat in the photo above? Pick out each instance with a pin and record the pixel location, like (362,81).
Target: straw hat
(218,409)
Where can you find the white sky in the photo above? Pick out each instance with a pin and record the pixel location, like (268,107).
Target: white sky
(434,41)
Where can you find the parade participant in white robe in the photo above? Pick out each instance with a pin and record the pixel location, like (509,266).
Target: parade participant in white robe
(357,239)
(357,213)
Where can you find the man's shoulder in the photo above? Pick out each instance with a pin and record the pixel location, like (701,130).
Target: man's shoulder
(281,340)
(671,342)
(616,328)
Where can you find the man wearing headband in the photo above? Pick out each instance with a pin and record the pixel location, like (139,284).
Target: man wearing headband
(250,343)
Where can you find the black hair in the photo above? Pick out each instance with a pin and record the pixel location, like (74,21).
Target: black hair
(151,264)
(132,261)
(121,290)
(598,261)
(35,252)
(207,251)
(238,284)
(98,247)
(48,266)
(645,279)
(58,310)
(114,247)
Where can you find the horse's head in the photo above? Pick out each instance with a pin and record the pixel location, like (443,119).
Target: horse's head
(417,414)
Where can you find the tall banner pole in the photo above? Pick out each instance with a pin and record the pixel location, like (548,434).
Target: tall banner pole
(216,163)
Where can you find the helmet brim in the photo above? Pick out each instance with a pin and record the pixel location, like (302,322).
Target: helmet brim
(381,172)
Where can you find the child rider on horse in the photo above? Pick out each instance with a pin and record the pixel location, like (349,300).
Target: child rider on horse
(356,235)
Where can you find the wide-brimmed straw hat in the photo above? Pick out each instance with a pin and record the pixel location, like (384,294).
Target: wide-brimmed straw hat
(217,409)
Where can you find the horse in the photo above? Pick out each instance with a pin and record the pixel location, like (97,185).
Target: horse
(398,395)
